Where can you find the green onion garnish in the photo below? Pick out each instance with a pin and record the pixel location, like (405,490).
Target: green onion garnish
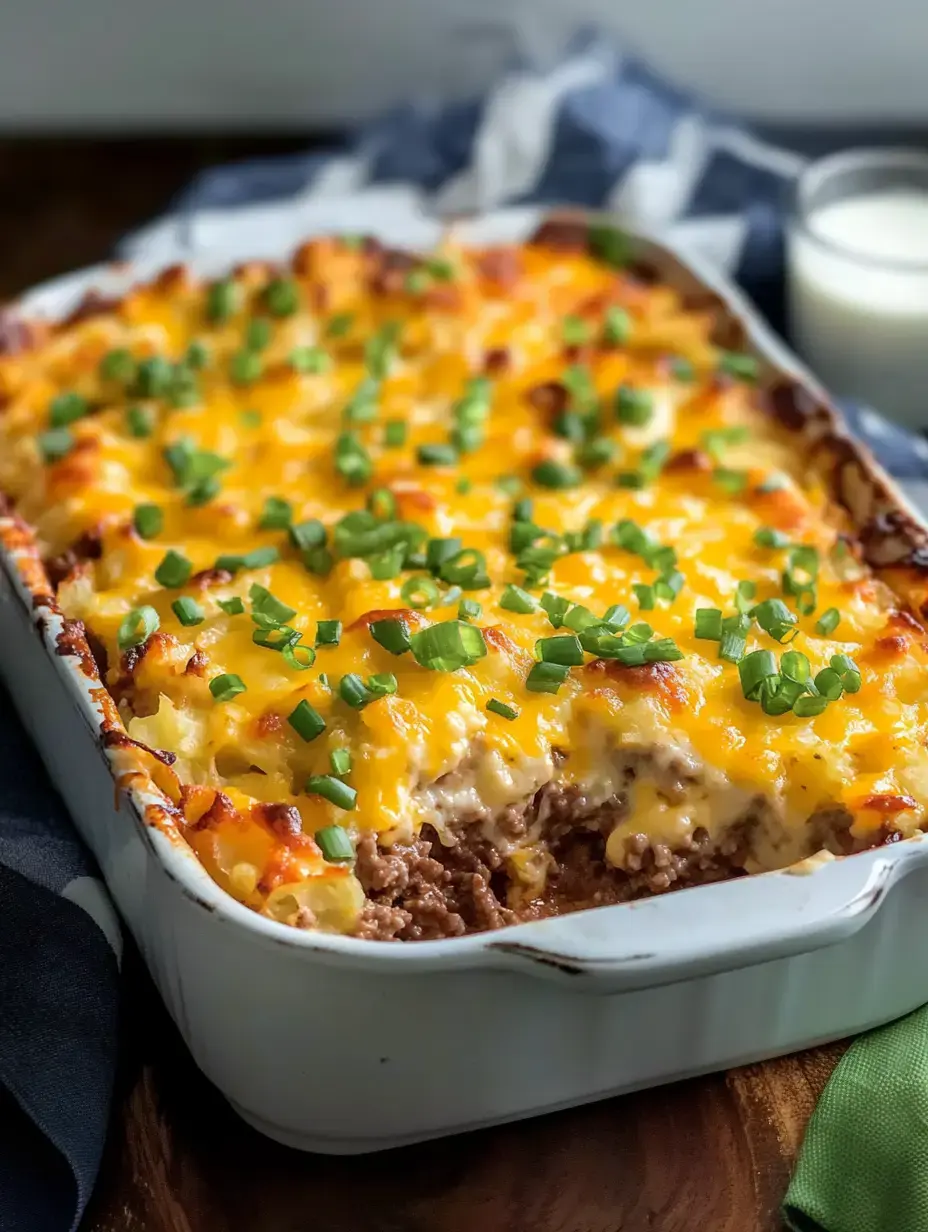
(617,326)
(55,444)
(380,350)
(362,405)
(333,841)
(153,377)
(282,297)
(848,671)
(564,649)
(117,365)
(467,569)
(555,607)
(353,691)
(708,623)
(828,622)
(438,551)
(382,504)
(644,593)
(197,356)
(255,559)
(307,722)
(140,420)
(448,646)
(137,627)
(575,331)
(339,325)
(394,433)
(148,521)
(596,452)
(770,537)
(616,616)
(745,593)
(188,611)
(514,599)
(775,618)
(808,706)
(500,708)
(392,634)
(306,535)
(739,365)
(469,609)
(267,608)
(328,633)
(754,669)
(233,606)
(222,300)
(227,686)
(310,359)
(245,367)
(352,461)
(553,474)
(650,464)
(276,514)
(344,797)
(258,333)
(716,440)
(609,245)
(420,592)
(174,570)
(731,481)
(546,677)
(633,406)
(733,639)
(437,455)
(340,761)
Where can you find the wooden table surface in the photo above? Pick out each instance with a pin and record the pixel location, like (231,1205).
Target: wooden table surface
(709,1155)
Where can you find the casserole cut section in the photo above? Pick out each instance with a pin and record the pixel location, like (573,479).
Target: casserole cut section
(440,593)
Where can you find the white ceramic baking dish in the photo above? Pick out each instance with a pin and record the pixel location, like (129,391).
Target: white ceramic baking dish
(332,1044)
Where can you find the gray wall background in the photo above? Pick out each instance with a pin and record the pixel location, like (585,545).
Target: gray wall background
(126,64)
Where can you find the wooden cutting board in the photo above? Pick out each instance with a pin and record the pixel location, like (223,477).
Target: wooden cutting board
(711,1155)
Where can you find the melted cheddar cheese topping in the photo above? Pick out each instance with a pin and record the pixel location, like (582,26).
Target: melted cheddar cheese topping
(599,408)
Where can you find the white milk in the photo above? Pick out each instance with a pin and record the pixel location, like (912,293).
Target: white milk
(863,325)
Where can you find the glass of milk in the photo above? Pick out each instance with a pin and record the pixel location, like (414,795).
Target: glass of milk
(857,258)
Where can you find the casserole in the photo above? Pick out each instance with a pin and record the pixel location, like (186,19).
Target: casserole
(209,962)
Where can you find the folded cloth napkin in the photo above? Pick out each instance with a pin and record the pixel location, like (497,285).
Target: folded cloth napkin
(597,129)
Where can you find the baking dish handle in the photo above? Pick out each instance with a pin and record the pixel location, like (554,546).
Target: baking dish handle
(708,930)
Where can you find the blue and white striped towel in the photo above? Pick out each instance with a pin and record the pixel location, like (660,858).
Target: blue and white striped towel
(597,129)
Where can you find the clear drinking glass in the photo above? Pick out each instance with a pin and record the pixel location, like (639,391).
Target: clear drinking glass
(857,263)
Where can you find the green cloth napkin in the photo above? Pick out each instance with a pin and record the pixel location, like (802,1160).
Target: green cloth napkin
(863,1166)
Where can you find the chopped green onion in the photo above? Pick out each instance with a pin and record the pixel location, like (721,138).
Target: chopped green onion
(617,327)
(731,481)
(575,331)
(274,636)
(794,665)
(437,455)
(514,599)
(344,797)
(148,521)
(848,671)
(276,514)
(319,561)
(353,690)
(340,761)
(716,440)
(744,596)
(645,596)
(564,649)
(298,656)
(307,722)
(339,325)
(682,369)
(650,464)
(268,607)
(197,356)
(382,683)
(829,684)
(310,359)
(174,570)
(392,634)
(616,616)
(754,669)
(362,405)
(609,245)
(380,350)
(555,606)
(669,585)
(579,618)
(222,300)
(708,624)
(469,609)
(448,646)
(546,677)
(245,367)
(770,537)
(258,333)
(227,686)
(500,708)
(352,461)
(828,622)
(420,592)
(386,565)
(305,535)
(733,638)
(739,365)
(509,485)
(382,504)
(55,444)
(140,420)
(596,452)
(257,558)
(553,474)
(282,296)
(467,569)
(633,406)
(333,841)
(153,377)
(233,606)
(188,611)
(394,433)
(522,510)
(117,365)
(438,551)
(661,650)
(775,618)
(807,707)
(137,627)
(328,633)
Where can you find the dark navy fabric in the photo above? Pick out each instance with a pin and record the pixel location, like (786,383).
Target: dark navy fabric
(589,130)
